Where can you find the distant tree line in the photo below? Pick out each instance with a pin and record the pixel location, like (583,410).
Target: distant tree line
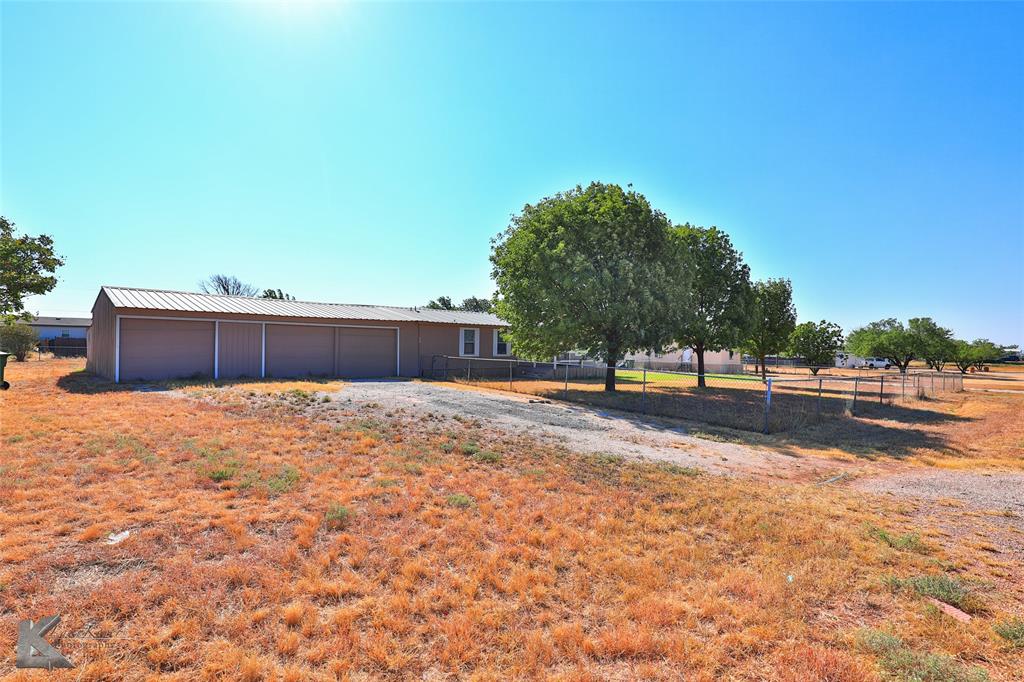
(597,269)
(471,304)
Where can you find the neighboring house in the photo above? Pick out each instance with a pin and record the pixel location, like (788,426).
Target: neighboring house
(60,327)
(154,334)
(685,360)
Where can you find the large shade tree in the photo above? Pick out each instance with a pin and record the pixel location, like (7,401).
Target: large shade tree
(772,320)
(719,316)
(888,339)
(593,269)
(27,267)
(817,343)
(935,343)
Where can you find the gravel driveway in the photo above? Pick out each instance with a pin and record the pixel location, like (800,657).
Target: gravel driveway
(584,429)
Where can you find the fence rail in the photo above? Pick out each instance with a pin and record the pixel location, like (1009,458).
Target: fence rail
(737,400)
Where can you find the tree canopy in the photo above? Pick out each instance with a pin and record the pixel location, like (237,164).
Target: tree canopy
(277,294)
(974,354)
(18,339)
(816,343)
(471,304)
(719,316)
(27,267)
(772,319)
(887,338)
(935,343)
(594,269)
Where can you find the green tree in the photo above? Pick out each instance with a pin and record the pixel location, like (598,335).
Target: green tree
(27,267)
(962,355)
(18,339)
(472,304)
(719,316)
(441,303)
(886,339)
(817,343)
(593,269)
(984,351)
(476,305)
(772,319)
(935,342)
(276,294)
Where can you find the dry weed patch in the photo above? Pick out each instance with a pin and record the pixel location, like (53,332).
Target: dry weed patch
(265,544)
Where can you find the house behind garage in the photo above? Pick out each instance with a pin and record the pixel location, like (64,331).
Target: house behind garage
(153,334)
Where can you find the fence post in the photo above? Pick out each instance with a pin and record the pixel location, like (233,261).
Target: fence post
(881,390)
(510,375)
(819,399)
(903,389)
(469,369)
(856,384)
(565,395)
(643,395)
(767,402)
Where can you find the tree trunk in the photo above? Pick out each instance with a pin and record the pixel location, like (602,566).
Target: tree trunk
(764,370)
(609,375)
(814,370)
(699,350)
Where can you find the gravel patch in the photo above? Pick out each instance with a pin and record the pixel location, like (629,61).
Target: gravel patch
(977,490)
(583,429)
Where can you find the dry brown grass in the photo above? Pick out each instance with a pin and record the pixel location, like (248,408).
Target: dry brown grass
(543,565)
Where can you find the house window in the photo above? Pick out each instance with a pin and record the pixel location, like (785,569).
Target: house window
(500,344)
(65,333)
(469,342)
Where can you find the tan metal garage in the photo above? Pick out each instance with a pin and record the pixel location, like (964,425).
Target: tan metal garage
(172,348)
(151,334)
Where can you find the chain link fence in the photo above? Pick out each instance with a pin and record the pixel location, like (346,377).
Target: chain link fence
(733,400)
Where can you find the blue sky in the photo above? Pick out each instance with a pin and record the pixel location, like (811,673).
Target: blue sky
(873,153)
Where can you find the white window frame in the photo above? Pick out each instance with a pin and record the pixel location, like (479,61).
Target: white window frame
(508,346)
(65,333)
(462,342)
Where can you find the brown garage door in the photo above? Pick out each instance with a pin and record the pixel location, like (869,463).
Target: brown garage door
(241,345)
(364,353)
(295,351)
(165,349)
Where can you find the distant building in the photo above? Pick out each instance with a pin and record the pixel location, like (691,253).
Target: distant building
(61,327)
(685,360)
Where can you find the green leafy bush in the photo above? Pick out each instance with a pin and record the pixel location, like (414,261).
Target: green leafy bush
(18,340)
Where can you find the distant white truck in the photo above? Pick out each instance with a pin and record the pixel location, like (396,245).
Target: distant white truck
(851,361)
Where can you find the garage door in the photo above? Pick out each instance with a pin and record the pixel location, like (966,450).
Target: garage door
(165,349)
(296,351)
(366,353)
(241,346)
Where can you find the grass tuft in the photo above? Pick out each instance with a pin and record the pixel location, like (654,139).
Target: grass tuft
(1012,631)
(460,500)
(903,663)
(948,590)
(909,541)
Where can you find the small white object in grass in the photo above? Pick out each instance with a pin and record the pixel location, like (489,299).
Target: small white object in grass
(115,538)
(789,578)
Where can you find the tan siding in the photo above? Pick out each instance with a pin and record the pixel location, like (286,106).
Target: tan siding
(240,349)
(294,350)
(366,353)
(100,343)
(165,349)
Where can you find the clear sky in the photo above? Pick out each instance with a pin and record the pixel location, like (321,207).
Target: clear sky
(873,153)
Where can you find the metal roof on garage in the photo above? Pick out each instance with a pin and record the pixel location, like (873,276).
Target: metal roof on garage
(192,302)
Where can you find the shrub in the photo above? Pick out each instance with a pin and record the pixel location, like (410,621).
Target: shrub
(338,516)
(219,465)
(18,340)
(470,448)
